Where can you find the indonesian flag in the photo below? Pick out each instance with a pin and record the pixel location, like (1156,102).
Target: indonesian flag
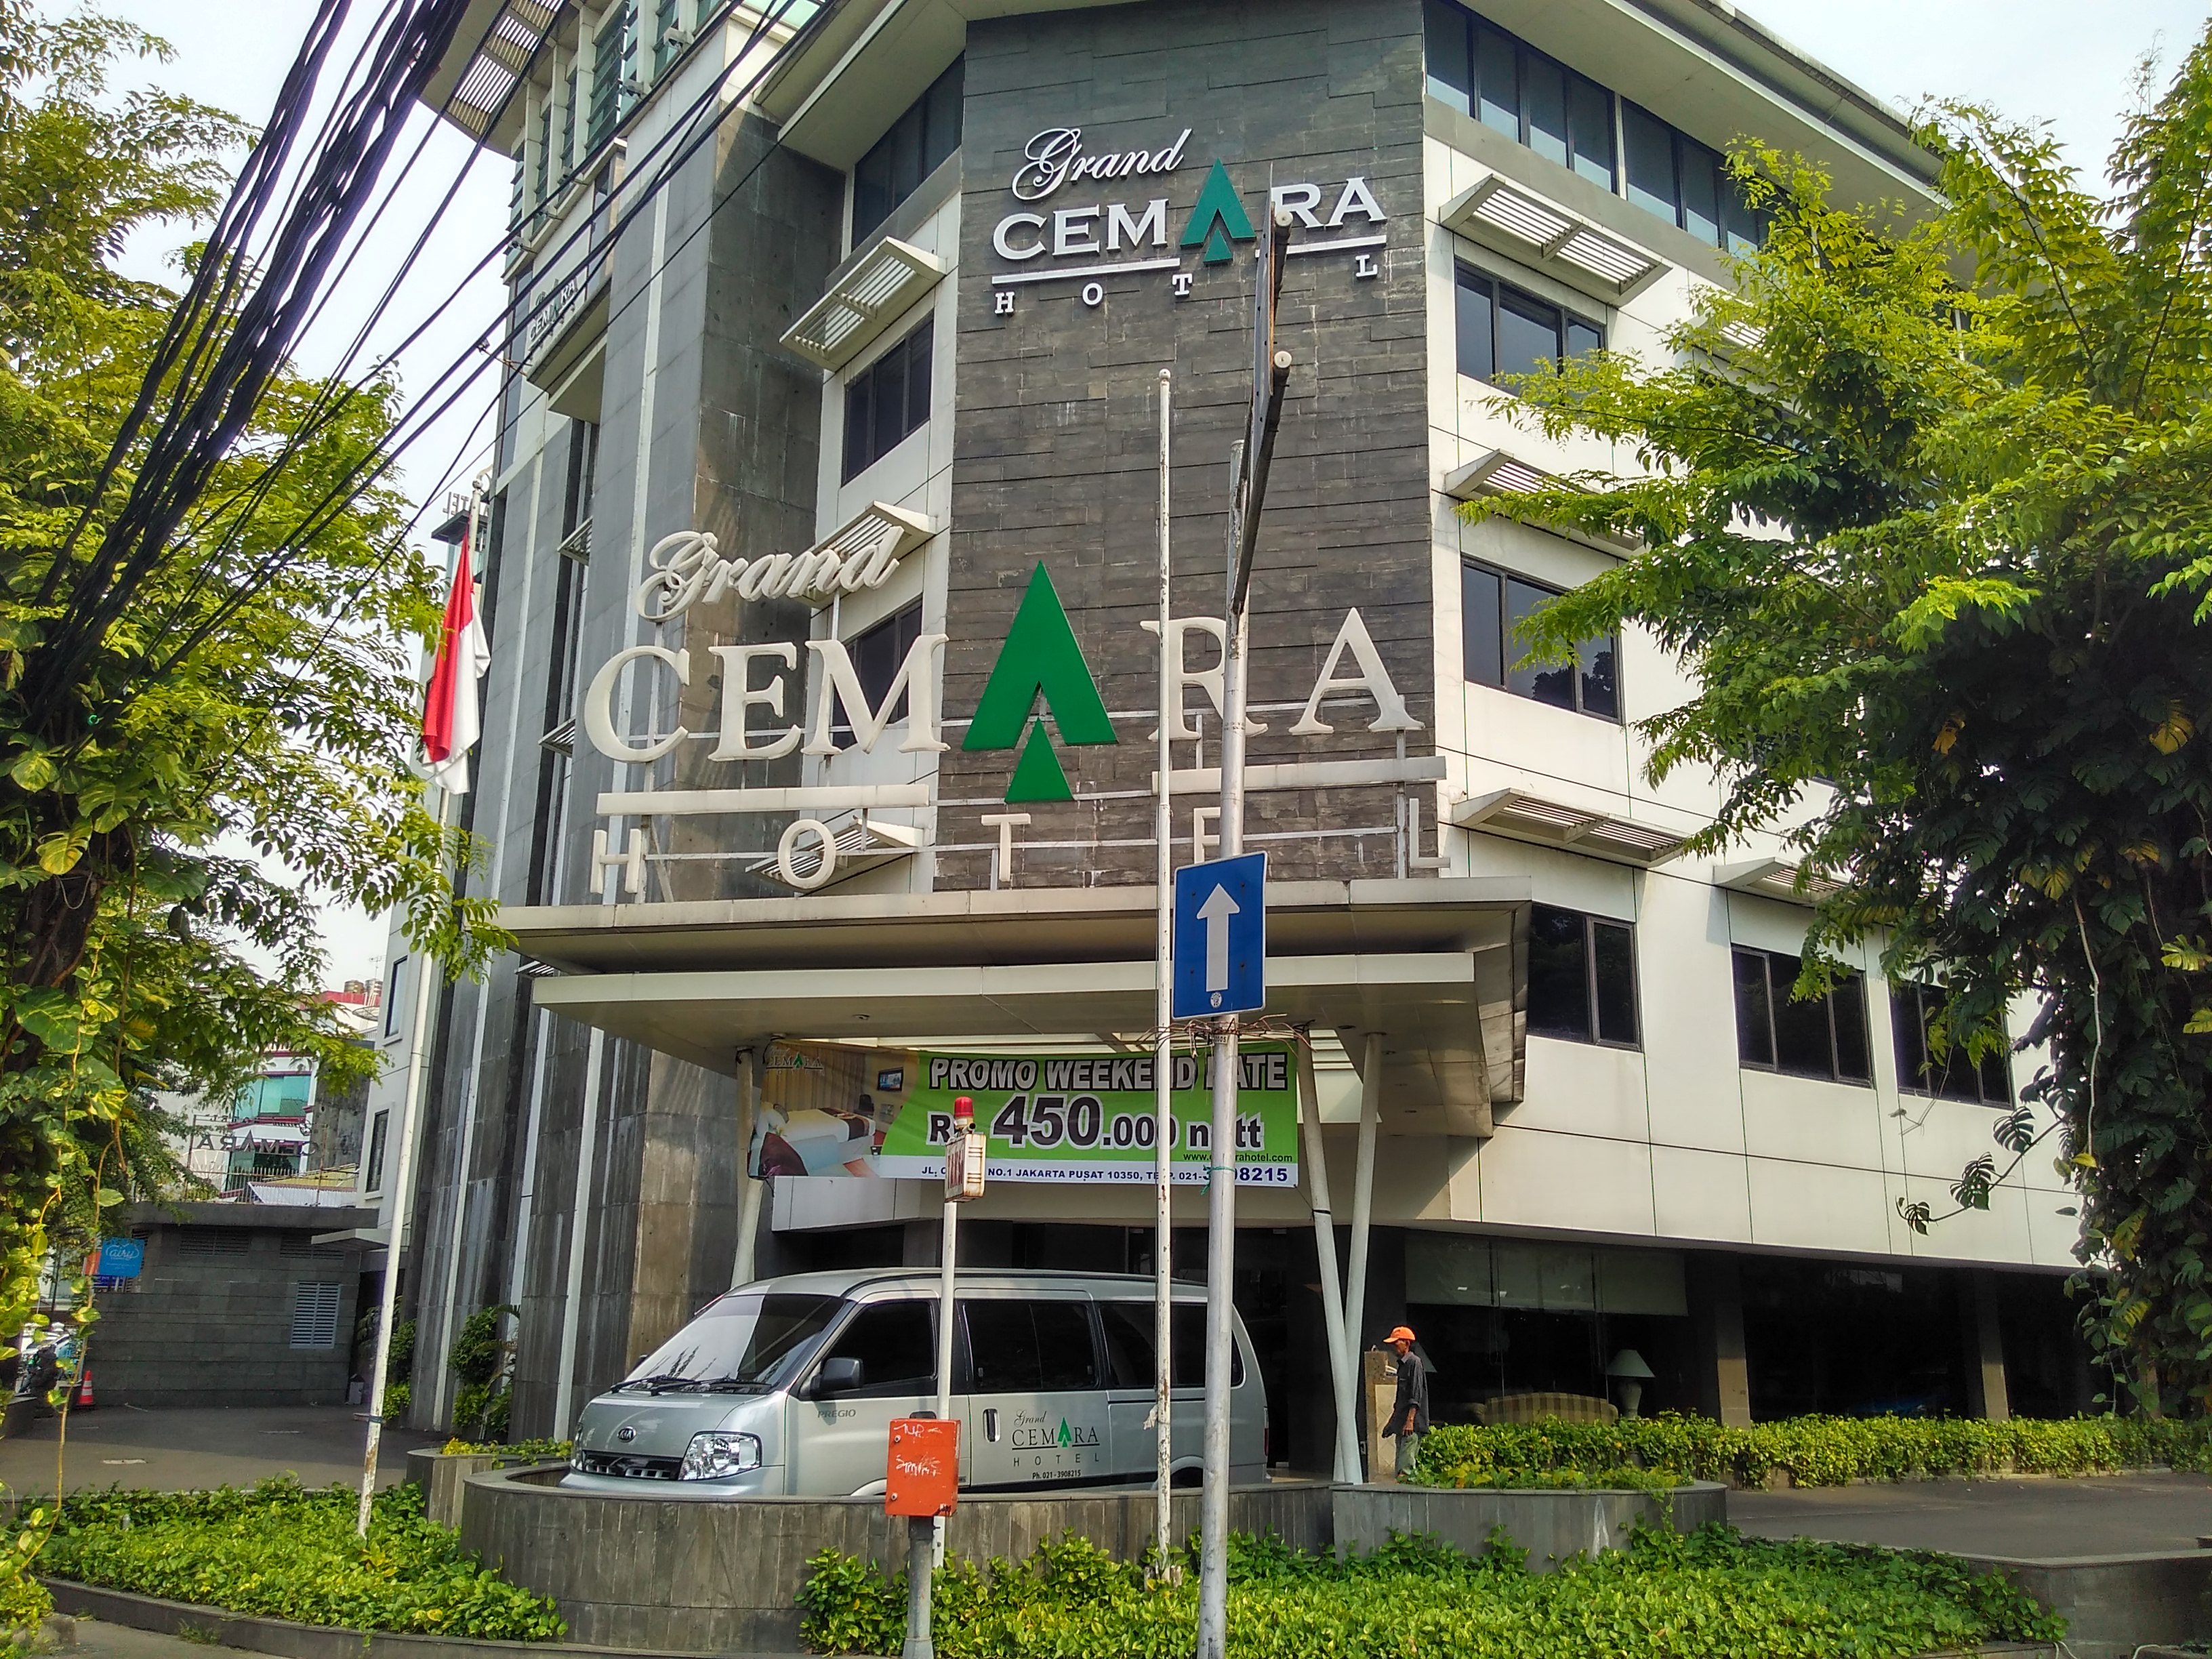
(451,720)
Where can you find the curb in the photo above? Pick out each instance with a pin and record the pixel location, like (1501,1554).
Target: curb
(290,1640)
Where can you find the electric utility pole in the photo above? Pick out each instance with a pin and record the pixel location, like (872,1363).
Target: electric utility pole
(1271,376)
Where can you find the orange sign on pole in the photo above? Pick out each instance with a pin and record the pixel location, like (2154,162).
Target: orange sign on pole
(923,1475)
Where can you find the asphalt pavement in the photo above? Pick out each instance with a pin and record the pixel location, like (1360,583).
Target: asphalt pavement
(2025,1520)
(180,1449)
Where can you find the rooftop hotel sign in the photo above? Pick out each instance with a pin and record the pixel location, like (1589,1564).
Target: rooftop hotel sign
(1058,236)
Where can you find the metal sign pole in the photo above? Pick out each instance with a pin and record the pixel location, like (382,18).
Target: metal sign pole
(957,1182)
(1163,1052)
(1270,377)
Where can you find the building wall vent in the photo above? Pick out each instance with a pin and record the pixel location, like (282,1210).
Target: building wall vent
(314,1316)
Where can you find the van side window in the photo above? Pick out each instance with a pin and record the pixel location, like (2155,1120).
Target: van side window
(1129,1344)
(1031,1348)
(897,1345)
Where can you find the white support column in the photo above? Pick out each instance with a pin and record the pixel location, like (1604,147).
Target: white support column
(1363,1205)
(751,1069)
(1342,1382)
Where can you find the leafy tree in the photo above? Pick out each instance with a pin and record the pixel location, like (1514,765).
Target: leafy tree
(285,721)
(1939,555)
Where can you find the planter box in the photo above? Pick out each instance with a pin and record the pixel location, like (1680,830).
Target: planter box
(443,1477)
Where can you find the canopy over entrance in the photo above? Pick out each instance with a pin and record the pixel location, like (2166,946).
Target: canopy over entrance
(1439,967)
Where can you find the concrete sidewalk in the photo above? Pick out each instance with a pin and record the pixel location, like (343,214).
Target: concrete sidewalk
(186,1447)
(2108,1515)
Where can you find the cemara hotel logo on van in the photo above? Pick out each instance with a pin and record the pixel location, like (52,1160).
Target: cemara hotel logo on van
(1058,236)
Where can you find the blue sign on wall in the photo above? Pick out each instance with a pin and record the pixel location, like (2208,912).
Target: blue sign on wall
(121,1258)
(1220,941)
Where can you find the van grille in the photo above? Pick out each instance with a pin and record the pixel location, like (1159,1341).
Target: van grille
(630,1466)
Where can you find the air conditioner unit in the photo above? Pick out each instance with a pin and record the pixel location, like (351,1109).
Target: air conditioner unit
(676,36)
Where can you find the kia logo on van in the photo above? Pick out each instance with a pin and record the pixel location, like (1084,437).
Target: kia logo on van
(626,1432)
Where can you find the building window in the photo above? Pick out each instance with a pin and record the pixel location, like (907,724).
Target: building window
(919,142)
(668,36)
(1582,977)
(568,129)
(887,401)
(876,656)
(1508,86)
(374,1183)
(1953,1078)
(614,61)
(1492,605)
(1825,1036)
(314,1316)
(1503,330)
(392,997)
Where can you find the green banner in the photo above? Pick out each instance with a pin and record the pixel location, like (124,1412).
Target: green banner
(830,1109)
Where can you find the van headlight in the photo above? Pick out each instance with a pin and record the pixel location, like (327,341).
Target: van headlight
(716,1455)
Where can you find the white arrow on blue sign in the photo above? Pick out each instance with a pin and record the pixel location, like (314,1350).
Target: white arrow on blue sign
(1221,937)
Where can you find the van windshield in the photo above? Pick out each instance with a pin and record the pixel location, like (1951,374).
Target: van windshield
(741,1344)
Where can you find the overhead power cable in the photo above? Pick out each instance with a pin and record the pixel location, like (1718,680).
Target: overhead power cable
(225,372)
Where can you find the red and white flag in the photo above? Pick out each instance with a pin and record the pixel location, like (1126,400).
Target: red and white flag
(451,719)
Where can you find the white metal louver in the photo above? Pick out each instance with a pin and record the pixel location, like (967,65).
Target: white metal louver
(1517,223)
(314,1316)
(1525,817)
(862,303)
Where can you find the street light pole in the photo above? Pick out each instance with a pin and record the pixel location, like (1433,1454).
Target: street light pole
(1271,373)
(1163,1048)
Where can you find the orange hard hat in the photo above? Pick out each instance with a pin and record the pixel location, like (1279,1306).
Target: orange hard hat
(1402,1333)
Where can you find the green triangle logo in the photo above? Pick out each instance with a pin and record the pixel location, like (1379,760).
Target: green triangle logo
(1037,774)
(1219,220)
(1066,1438)
(1040,658)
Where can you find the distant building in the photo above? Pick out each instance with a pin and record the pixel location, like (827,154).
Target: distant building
(281,1127)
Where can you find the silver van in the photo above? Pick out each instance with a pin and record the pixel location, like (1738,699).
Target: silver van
(788,1387)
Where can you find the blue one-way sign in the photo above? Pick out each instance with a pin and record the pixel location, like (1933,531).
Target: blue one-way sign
(1221,937)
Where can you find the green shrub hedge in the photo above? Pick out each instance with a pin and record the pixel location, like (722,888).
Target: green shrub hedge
(1814,1451)
(1712,1594)
(283,1552)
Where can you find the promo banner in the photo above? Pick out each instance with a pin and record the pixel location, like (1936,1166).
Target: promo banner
(829,1109)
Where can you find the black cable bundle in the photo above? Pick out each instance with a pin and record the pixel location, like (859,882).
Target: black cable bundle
(213,376)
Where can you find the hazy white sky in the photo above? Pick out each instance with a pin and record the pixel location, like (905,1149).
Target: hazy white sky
(2071,64)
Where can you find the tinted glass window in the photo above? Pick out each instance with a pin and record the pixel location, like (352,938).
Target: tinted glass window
(1482,624)
(1551,683)
(1527,334)
(925,133)
(1612,974)
(1025,1348)
(1498,74)
(1955,1077)
(1475,304)
(1589,122)
(1491,604)
(1754,1016)
(1447,32)
(896,1343)
(1544,105)
(1582,977)
(1647,146)
(888,402)
(752,1341)
(1502,330)
(1702,184)
(877,655)
(1825,1036)
(1558,974)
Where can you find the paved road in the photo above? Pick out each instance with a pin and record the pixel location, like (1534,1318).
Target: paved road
(178,1449)
(96,1639)
(2114,1515)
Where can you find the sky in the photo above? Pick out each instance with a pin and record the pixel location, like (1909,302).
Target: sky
(2070,64)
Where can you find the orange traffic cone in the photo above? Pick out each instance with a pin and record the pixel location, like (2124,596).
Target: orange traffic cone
(84,1390)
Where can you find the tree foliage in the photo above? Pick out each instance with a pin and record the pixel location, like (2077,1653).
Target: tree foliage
(127,935)
(1927,501)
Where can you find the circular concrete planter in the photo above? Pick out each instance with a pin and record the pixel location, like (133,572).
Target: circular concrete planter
(673,1575)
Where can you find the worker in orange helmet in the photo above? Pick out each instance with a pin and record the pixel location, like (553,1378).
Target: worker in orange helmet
(1409,1412)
